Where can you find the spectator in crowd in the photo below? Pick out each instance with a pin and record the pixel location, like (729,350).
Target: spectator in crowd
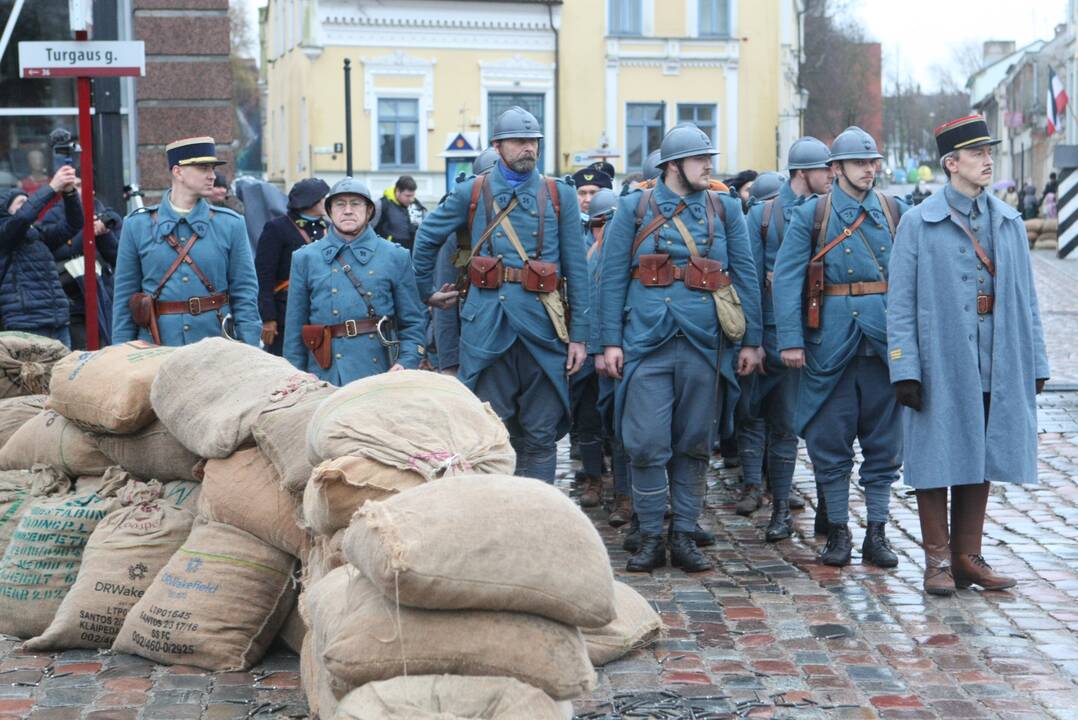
(740,185)
(31,298)
(1052,186)
(397,213)
(1028,205)
(1048,206)
(1011,196)
(38,176)
(222,196)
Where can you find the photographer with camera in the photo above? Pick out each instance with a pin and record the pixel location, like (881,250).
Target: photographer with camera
(31,297)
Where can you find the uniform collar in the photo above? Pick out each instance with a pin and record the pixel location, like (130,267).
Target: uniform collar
(668,200)
(503,192)
(168,220)
(844,203)
(787,196)
(362,247)
(963,203)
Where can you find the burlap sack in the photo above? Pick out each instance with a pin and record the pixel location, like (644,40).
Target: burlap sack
(244,491)
(42,560)
(281,435)
(489,542)
(108,390)
(294,630)
(26,363)
(182,494)
(123,555)
(16,412)
(217,604)
(151,453)
(636,625)
(321,699)
(338,488)
(448,697)
(50,439)
(210,394)
(14,502)
(414,421)
(371,639)
(325,555)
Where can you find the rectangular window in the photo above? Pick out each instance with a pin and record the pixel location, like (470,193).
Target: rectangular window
(643,132)
(398,132)
(714,18)
(626,17)
(702,116)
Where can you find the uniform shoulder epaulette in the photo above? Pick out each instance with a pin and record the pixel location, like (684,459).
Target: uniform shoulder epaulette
(144,210)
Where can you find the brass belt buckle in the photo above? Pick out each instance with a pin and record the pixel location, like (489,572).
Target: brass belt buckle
(350,328)
(194,305)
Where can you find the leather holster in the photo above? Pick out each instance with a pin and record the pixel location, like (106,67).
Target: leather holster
(486,272)
(656,270)
(539,277)
(319,340)
(813,294)
(143,309)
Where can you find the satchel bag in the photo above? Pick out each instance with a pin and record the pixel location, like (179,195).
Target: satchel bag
(656,270)
(319,340)
(539,277)
(486,272)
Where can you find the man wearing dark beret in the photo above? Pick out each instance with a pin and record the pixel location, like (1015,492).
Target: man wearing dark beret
(588,182)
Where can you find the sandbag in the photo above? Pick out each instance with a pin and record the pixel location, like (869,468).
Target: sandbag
(1034,225)
(26,362)
(182,493)
(448,697)
(108,390)
(636,625)
(486,542)
(244,491)
(217,604)
(210,394)
(294,630)
(281,435)
(51,439)
(16,412)
(337,488)
(152,453)
(415,421)
(1050,226)
(325,555)
(370,640)
(321,698)
(14,502)
(123,555)
(42,560)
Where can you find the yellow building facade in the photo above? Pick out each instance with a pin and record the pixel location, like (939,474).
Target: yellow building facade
(603,77)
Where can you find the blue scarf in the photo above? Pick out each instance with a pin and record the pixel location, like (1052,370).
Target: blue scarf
(514,179)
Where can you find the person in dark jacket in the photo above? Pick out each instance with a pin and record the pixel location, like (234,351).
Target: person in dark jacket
(397,213)
(303,224)
(31,298)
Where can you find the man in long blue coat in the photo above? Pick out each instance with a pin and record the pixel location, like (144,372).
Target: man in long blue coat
(353,308)
(661,333)
(182,303)
(515,349)
(967,356)
(837,334)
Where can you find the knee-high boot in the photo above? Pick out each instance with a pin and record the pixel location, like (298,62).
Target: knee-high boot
(968,506)
(935,538)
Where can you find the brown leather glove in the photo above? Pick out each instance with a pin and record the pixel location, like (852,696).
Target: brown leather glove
(908,393)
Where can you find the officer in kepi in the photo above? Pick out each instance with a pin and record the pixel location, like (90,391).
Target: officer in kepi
(830,288)
(967,356)
(184,271)
(524,322)
(353,308)
(675,261)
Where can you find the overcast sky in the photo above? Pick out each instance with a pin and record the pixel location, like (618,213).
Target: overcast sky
(920,34)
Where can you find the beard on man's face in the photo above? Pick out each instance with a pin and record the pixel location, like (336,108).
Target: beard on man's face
(522,165)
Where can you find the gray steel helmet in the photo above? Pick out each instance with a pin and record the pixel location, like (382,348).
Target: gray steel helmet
(808,153)
(766,186)
(348,186)
(853,143)
(485,161)
(602,203)
(516,122)
(685,140)
(651,167)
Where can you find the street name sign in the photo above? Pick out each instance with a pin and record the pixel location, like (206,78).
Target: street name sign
(86,58)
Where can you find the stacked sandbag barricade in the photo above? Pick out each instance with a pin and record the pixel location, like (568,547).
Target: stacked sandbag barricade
(1043,232)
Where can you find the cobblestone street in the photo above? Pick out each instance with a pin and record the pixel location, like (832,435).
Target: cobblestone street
(770,633)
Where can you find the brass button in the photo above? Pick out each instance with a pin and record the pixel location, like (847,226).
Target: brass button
(333,291)
(501,297)
(848,251)
(186,328)
(338,356)
(856,314)
(185,278)
(370,272)
(335,312)
(850,271)
(667,299)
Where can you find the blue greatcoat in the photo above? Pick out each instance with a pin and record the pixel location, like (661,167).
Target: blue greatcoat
(932,329)
(492,320)
(845,321)
(321,293)
(222,252)
(642,319)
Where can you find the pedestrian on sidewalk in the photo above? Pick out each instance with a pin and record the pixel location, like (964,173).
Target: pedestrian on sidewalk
(967,356)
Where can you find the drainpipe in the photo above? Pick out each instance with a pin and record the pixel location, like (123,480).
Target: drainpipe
(557,89)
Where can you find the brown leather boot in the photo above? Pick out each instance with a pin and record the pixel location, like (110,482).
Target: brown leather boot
(932,510)
(968,505)
(592,492)
(623,510)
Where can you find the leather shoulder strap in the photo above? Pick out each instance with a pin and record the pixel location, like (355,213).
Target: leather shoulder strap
(846,232)
(545,188)
(357,284)
(769,207)
(654,225)
(477,188)
(820,218)
(889,205)
(977,247)
(555,197)
(181,255)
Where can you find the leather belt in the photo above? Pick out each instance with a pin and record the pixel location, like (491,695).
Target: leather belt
(192,306)
(512,275)
(878,287)
(986,304)
(352,328)
(679,273)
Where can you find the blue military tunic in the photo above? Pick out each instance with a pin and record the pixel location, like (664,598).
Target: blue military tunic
(849,325)
(222,252)
(322,294)
(492,320)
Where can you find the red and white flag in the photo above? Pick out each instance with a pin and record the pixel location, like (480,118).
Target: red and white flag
(1057,103)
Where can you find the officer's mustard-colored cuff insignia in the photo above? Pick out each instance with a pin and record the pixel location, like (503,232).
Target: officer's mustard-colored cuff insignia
(896,354)
(422,350)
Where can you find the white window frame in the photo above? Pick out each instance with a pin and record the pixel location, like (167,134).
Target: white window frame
(399,94)
(647,20)
(692,20)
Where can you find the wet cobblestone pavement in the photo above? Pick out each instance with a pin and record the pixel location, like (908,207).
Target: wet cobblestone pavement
(770,633)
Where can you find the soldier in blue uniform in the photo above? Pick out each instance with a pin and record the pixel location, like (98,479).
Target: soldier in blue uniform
(515,349)
(669,258)
(967,356)
(767,408)
(838,246)
(164,299)
(353,308)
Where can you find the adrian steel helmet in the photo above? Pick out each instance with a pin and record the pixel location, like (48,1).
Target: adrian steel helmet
(516,122)
(766,186)
(808,153)
(485,161)
(685,140)
(348,186)
(651,167)
(602,204)
(853,143)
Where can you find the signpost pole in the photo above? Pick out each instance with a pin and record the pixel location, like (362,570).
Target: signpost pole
(89,248)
